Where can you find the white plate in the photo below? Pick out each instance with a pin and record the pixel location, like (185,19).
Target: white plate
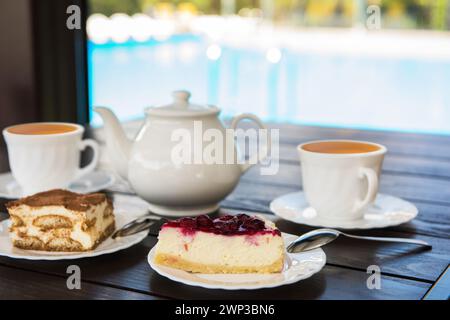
(92,182)
(124,213)
(387,211)
(297,266)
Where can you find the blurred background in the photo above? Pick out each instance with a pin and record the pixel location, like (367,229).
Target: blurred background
(370,64)
(364,64)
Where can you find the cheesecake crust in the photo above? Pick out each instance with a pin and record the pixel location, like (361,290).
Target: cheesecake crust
(194,267)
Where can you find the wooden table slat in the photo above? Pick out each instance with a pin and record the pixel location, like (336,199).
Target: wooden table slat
(441,289)
(393,163)
(130,269)
(420,145)
(21,284)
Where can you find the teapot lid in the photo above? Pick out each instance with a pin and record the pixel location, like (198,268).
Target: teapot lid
(182,108)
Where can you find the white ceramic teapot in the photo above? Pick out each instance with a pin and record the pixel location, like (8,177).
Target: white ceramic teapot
(178,186)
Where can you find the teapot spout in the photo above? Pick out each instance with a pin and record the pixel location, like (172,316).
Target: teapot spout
(117,144)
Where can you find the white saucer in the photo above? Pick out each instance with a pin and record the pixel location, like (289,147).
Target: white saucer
(124,210)
(92,182)
(385,212)
(297,266)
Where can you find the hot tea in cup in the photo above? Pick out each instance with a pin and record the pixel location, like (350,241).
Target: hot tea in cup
(45,156)
(340,177)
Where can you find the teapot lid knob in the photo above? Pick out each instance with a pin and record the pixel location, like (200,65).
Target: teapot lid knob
(181,97)
(181,107)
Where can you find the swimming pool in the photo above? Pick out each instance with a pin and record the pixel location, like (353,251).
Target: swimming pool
(305,88)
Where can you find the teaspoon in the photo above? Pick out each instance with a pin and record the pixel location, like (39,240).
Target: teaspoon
(140,224)
(320,237)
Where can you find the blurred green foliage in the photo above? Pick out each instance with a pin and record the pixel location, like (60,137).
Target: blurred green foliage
(108,7)
(424,14)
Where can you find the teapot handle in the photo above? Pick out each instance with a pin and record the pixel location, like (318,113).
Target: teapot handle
(253,158)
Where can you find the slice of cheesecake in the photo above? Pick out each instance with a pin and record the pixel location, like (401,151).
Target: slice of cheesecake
(229,244)
(60,220)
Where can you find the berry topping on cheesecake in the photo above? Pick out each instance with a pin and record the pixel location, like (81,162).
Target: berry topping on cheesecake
(228,225)
(228,244)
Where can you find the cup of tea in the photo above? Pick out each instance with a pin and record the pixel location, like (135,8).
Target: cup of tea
(46,155)
(340,177)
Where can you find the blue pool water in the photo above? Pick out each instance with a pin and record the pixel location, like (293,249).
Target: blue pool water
(329,90)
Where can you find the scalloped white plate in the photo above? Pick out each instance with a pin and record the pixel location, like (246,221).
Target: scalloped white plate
(297,266)
(387,211)
(125,210)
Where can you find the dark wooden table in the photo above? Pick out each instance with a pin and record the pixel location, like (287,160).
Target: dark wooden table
(416,168)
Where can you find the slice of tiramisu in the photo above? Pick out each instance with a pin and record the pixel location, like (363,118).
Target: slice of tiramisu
(60,220)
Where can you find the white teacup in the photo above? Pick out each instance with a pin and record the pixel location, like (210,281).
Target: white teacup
(340,177)
(45,156)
